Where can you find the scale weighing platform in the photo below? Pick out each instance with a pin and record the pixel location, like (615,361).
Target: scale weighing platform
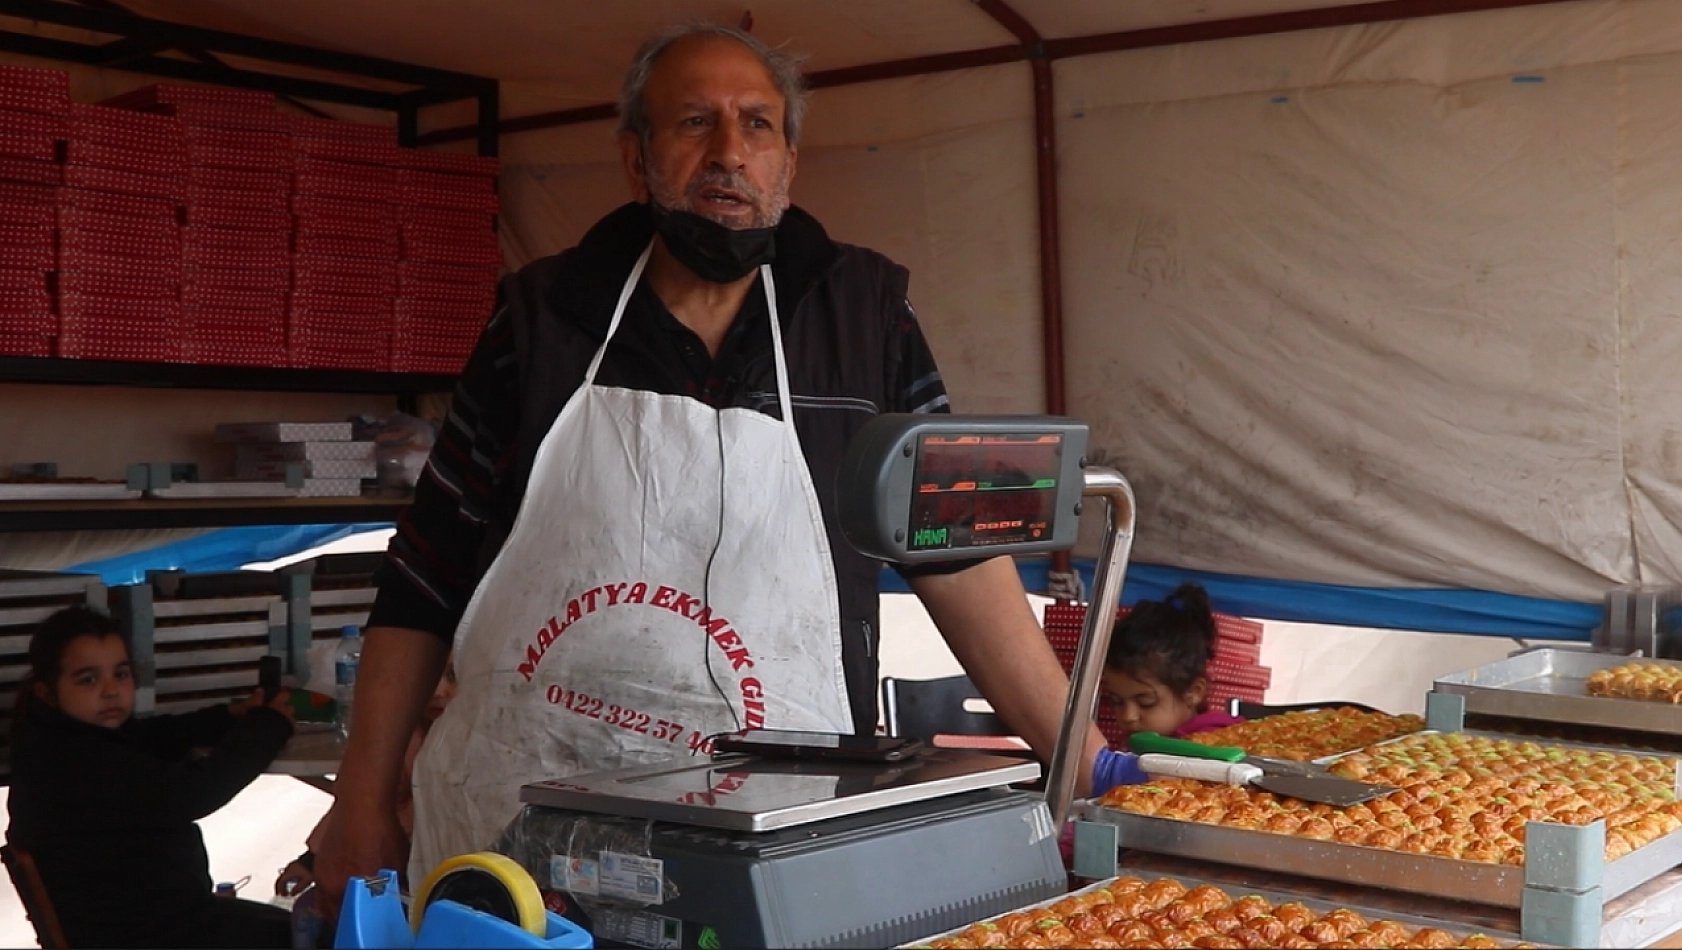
(749,851)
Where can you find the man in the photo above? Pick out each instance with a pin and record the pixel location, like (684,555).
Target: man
(637,550)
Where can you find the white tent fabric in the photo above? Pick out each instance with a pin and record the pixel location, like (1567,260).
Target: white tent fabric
(1385,305)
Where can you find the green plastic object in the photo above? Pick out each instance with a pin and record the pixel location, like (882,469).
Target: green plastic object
(1142,742)
(310,706)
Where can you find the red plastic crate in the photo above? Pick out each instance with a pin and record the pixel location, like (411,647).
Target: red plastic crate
(40,320)
(310,127)
(128,206)
(233,218)
(21,280)
(34,146)
(124,183)
(441,365)
(117,283)
(348,151)
(414,180)
(360,305)
(43,215)
(137,350)
(444,219)
(153,229)
(238,179)
(161,95)
(24,343)
(427,273)
(22,193)
(39,257)
(474,313)
(339,186)
(1237,652)
(487,202)
(1259,677)
(35,123)
(161,164)
(331,283)
(30,297)
(150,269)
(238,159)
(258,279)
(214,116)
(30,171)
(195,294)
(30,100)
(326,206)
(461,254)
(362,229)
(35,79)
(134,309)
(125,246)
(314,322)
(201,236)
(325,244)
(201,354)
(451,163)
(144,128)
(266,200)
(27,235)
(255,256)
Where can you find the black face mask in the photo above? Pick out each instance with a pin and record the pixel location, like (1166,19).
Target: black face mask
(714,252)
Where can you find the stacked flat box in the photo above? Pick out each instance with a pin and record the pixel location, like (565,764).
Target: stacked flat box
(345,248)
(1233,673)
(34,120)
(450,259)
(119,236)
(334,465)
(236,244)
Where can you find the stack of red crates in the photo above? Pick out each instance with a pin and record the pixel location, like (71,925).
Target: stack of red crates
(34,119)
(119,236)
(235,248)
(345,244)
(451,259)
(1234,673)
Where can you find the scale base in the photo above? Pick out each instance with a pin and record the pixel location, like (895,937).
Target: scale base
(881,878)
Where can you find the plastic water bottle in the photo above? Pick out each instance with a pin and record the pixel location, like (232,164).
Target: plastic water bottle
(346,659)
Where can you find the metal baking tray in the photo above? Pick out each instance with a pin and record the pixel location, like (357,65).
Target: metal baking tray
(1318,906)
(67,491)
(1500,885)
(1551,685)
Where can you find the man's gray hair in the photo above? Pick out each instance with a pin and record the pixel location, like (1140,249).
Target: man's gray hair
(784,70)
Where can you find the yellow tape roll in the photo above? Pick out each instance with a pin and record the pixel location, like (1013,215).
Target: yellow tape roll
(484,881)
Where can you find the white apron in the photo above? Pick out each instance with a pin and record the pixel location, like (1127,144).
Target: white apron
(667,578)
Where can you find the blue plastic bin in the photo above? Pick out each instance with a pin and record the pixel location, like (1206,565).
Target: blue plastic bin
(373,918)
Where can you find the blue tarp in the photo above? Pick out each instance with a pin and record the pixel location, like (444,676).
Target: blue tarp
(223,550)
(1431,610)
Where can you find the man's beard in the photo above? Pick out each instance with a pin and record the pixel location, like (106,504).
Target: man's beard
(767,209)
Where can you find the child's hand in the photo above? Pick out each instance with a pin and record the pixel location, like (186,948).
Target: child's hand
(293,879)
(281,703)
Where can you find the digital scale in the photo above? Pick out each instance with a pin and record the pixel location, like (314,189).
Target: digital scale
(748,851)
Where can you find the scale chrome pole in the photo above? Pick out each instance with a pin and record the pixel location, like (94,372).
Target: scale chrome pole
(1108,484)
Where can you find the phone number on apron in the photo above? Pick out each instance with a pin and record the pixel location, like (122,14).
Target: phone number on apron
(628,719)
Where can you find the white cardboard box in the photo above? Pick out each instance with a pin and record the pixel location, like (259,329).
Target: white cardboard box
(283,432)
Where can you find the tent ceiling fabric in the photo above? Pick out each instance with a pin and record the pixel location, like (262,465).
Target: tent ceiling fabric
(581,48)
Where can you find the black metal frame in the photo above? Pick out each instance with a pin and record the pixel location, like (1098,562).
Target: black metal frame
(140,40)
(28,369)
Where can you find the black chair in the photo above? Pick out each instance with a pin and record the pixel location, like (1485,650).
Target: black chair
(36,905)
(924,709)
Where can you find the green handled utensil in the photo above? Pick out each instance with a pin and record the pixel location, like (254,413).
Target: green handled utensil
(1230,765)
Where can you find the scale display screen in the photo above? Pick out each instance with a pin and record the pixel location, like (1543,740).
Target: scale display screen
(942,488)
(976,490)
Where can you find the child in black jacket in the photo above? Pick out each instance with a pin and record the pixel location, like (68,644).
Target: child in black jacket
(107,803)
